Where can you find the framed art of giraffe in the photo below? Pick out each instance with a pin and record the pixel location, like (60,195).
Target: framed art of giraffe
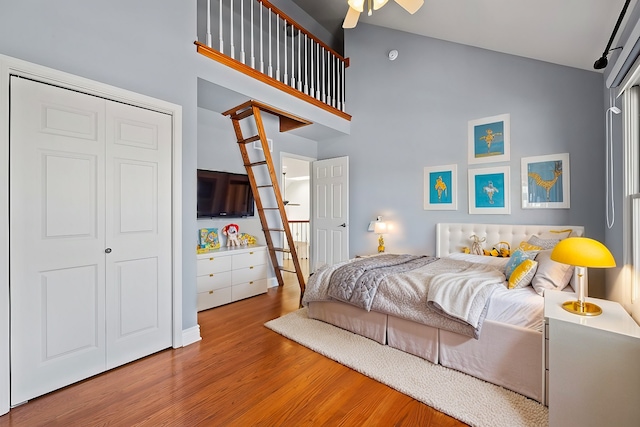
(546,182)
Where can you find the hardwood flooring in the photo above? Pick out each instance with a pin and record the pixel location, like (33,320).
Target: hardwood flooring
(240,374)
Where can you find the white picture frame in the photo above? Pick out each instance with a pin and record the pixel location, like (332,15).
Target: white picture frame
(546,182)
(489,191)
(489,139)
(441,188)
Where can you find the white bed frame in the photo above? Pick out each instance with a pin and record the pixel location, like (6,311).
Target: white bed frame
(506,355)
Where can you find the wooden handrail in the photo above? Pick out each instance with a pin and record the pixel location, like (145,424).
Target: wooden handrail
(245,69)
(304,30)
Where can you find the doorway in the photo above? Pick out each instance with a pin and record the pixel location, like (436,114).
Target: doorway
(295,185)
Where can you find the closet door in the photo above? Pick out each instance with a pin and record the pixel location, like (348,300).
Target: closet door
(57,238)
(90,236)
(138,264)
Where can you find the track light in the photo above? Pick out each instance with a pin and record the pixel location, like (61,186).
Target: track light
(602,62)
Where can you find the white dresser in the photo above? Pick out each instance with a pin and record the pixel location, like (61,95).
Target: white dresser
(592,365)
(231,274)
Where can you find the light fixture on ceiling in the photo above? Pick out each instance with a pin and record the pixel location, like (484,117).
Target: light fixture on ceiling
(356,7)
(602,62)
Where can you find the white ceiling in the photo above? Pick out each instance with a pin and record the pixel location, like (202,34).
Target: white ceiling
(567,32)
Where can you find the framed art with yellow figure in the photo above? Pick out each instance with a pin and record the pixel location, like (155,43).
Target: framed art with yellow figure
(546,182)
(441,188)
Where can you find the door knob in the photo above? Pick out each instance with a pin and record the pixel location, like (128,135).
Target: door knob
(107,251)
(344,224)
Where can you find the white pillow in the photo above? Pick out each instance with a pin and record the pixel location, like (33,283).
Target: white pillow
(550,274)
(480,259)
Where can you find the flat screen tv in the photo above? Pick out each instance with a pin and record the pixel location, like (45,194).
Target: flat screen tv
(224,194)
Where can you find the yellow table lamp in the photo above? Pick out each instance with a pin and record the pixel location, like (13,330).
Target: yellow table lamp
(582,253)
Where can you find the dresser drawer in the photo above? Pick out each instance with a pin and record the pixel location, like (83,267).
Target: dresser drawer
(213,281)
(246,290)
(248,259)
(214,298)
(244,275)
(213,264)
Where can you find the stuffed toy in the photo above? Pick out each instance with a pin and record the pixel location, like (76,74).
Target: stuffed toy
(476,246)
(231,231)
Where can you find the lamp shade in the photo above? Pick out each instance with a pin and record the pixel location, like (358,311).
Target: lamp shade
(380,227)
(583,252)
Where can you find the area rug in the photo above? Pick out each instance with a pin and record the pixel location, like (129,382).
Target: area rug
(461,396)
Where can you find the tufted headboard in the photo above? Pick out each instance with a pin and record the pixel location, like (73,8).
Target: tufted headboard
(452,237)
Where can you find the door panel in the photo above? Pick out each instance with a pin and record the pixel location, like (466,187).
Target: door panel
(330,211)
(138,197)
(56,220)
(90,236)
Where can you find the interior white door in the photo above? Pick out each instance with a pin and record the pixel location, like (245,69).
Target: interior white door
(330,219)
(138,238)
(57,238)
(90,236)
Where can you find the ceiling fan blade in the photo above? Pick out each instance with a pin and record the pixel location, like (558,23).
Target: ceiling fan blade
(351,19)
(410,6)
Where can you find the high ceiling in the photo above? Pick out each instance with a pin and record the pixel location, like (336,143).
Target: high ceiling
(566,32)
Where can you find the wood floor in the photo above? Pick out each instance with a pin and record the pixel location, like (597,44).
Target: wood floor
(240,374)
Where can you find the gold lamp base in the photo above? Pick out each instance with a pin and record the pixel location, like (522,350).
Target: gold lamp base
(582,309)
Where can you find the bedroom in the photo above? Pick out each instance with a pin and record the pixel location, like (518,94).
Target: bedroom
(464,83)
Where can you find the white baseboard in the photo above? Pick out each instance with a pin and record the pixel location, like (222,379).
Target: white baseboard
(191,335)
(272,282)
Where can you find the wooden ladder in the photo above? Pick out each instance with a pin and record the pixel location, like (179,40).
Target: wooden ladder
(268,192)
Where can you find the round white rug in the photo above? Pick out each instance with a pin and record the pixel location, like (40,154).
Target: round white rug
(461,396)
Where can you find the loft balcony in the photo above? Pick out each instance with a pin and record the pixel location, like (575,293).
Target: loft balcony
(256,38)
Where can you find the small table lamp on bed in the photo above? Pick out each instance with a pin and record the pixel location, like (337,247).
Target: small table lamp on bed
(582,252)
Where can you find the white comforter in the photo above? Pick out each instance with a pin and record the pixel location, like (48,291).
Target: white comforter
(404,295)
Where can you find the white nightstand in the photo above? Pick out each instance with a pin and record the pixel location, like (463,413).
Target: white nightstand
(592,365)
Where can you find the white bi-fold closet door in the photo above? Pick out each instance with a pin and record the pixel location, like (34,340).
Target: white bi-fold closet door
(90,235)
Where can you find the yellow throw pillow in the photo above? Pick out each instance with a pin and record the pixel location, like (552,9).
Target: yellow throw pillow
(523,274)
(526,246)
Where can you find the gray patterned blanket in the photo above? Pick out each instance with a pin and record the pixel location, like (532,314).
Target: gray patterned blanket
(358,281)
(405,293)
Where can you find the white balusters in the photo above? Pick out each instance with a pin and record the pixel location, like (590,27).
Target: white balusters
(285,78)
(220,26)
(270,70)
(253,55)
(242,31)
(209,43)
(307,65)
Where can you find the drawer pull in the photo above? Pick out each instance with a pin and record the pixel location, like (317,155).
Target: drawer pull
(250,253)
(251,267)
(211,275)
(211,259)
(251,282)
(210,292)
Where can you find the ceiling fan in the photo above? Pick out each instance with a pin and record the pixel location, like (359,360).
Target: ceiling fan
(356,7)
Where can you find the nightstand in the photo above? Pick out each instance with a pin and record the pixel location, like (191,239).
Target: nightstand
(592,365)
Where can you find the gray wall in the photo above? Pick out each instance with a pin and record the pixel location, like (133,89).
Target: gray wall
(413,112)
(145,46)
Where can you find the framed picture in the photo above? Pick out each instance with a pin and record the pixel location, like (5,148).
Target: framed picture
(441,188)
(489,139)
(545,182)
(489,191)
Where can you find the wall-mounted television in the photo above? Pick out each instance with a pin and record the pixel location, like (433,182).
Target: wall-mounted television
(224,194)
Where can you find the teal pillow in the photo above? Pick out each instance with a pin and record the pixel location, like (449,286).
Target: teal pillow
(517,257)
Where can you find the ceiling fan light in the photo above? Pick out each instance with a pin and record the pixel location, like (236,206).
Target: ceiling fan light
(377,4)
(351,20)
(410,6)
(356,4)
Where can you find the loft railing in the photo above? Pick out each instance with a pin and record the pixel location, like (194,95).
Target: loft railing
(260,36)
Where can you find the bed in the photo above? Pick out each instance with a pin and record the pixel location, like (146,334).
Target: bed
(509,349)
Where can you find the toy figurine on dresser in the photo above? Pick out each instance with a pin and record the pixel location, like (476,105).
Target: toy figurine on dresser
(231,231)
